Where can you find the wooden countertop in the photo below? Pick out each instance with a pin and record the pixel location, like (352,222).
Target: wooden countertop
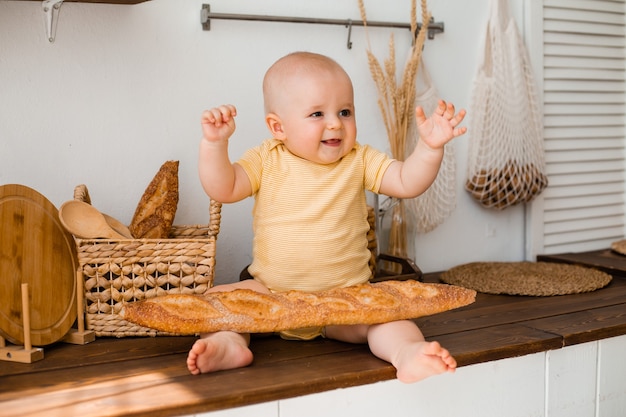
(148,376)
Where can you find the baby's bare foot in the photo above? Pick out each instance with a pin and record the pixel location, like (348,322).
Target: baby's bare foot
(217,352)
(417,361)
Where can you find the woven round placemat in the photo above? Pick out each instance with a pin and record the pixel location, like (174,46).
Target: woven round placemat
(619,247)
(526,278)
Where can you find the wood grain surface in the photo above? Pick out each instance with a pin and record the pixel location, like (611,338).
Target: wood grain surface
(35,249)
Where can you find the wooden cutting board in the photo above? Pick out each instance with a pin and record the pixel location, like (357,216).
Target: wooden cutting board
(35,249)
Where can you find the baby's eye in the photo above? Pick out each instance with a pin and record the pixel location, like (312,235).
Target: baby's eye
(345,113)
(317,114)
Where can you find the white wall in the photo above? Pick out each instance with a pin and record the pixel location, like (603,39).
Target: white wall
(122,88)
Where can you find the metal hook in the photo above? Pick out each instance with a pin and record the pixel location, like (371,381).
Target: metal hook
(51,9)
(434,28)
(349,26)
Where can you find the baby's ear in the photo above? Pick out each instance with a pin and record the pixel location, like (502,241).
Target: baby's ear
(275,125)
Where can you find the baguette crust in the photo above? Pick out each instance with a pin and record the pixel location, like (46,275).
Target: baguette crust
(156,210)
(247,311)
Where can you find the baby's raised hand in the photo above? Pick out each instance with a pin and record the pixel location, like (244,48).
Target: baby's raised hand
(218,123)
(441,127)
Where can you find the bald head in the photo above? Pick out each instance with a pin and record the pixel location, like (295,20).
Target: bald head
(294,67)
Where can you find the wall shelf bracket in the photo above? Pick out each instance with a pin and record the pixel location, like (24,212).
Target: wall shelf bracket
(51,10)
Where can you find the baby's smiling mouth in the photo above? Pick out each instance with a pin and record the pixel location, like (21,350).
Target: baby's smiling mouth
(332,142)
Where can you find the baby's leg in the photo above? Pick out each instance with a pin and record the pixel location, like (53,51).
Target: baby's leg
(402,344)
(222,350)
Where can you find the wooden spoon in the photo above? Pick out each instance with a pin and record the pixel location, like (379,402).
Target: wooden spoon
(86,222)
(118,226)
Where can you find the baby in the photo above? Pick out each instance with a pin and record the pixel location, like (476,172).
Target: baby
(310,214)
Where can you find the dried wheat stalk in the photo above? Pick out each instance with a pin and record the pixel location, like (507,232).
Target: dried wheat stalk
(396,101)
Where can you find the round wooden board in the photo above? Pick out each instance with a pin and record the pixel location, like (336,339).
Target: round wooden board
(35,249)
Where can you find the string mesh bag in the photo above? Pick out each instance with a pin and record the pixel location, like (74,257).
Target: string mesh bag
(435,205)
(506,163)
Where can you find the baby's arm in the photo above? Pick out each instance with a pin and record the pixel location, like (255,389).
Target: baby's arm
(222,180)
(412,177)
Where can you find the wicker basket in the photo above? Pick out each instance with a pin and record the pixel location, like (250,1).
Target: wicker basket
(120,271)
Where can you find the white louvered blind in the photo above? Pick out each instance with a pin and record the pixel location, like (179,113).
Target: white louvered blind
(584,103)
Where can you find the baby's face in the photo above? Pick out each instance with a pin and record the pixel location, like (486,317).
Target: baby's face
(317,114)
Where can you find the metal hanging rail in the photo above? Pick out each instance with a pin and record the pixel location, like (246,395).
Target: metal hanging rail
(206,16)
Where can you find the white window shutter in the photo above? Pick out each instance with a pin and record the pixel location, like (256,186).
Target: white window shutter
(578,53)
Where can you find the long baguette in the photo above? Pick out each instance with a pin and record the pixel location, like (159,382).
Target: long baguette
(246,311)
